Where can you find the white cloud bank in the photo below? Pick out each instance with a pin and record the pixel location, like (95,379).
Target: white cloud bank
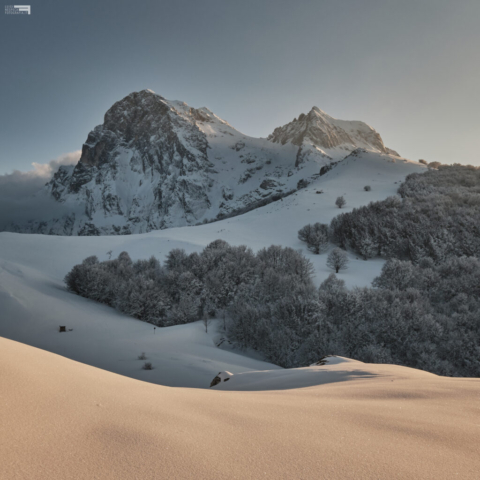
(17,190)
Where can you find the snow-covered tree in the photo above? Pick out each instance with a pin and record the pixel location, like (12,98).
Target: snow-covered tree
(337,260)
(315,236)
(340,202)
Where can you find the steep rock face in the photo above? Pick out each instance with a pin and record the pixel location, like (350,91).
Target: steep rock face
(156,163)
(132,165)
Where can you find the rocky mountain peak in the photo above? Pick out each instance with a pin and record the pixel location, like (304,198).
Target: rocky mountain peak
(326,132)
(315,112)
(156,163)
(133,109)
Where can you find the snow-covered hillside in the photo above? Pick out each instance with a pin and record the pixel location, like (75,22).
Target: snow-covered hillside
(157,164)
(34,301)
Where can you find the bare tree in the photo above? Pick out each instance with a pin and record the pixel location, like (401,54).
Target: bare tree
(206,320)
(337,260)
(224,318)
(340,202)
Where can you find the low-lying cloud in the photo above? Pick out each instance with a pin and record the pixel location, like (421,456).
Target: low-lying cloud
(18,202)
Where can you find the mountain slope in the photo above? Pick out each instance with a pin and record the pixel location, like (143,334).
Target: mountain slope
(34,301)
(156,164)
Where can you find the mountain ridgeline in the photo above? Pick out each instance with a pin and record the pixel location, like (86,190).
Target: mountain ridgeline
(156,164)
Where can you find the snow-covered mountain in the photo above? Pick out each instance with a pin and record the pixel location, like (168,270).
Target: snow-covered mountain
(156,164)
(318,134)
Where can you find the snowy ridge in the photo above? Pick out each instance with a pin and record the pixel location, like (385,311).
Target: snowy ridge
(156,164)
(336,369)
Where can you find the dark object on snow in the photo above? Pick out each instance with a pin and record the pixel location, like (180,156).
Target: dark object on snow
(225,376)
(147,366)
(302,183)
(322,361)
(62,328)
(215,381)
(325,169)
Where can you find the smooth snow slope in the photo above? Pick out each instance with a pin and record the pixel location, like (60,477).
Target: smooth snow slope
(34,302)
(65,420)
(33,306)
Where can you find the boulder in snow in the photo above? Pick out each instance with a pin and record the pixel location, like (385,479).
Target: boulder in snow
(221,377)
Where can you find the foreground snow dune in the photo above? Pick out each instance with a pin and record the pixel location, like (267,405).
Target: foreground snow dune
(62,419)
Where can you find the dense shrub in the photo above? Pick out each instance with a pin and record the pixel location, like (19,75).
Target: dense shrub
(340,202)
(315,236)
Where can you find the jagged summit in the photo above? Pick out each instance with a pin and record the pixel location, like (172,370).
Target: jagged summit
(327,132)
(315,111)
(317,133)
(156,163)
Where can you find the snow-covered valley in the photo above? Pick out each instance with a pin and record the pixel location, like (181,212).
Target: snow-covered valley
(34,300)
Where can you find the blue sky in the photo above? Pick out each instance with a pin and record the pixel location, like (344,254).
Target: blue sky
(408,68)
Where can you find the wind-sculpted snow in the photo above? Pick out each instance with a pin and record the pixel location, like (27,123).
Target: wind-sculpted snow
(62,419)
(156,164)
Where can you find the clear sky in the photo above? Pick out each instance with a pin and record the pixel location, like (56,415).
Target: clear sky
(410,69)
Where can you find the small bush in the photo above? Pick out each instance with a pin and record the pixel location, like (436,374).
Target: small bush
(367,188)
(142,356)
(147,366)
